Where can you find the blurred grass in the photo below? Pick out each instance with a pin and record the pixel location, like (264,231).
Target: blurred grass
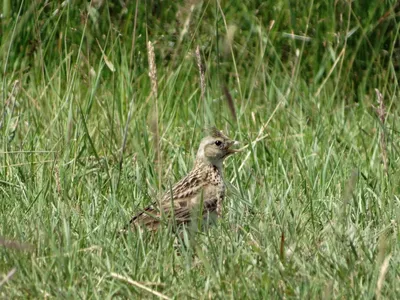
(311,211)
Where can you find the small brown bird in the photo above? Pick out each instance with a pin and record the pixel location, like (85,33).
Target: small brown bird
(201,191)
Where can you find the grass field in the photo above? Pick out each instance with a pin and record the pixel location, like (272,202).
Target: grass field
(88,139)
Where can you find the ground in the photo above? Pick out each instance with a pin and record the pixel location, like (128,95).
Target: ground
(88,138)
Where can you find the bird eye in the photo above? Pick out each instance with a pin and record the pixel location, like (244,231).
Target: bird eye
(218,143)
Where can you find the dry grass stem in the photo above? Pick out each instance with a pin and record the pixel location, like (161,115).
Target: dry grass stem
(382,274)
(186,25)
(15,90)
(152,69)
(230,103)
(154,121)
(202,73)
(139,285)
(230,30)
(381,111)
(10,100)
(134,33)
(57,178)
(341,54)
(8,276)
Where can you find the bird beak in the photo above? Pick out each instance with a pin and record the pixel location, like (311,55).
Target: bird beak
(230,144)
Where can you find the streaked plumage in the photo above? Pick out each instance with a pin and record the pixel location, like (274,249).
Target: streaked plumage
(202,190)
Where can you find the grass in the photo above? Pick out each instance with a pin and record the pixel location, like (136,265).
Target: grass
(312,208)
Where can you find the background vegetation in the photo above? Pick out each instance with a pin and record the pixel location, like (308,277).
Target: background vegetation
(313,203)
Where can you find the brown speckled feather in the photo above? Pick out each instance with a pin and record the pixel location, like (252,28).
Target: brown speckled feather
(201,190)
(203,184)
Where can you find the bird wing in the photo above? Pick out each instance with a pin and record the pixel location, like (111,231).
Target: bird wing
(177,204)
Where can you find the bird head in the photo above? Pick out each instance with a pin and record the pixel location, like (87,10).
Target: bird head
(215,148)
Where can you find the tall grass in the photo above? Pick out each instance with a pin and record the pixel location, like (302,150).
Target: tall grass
(313,202)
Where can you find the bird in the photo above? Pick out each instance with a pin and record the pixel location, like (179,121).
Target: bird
(198,194)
